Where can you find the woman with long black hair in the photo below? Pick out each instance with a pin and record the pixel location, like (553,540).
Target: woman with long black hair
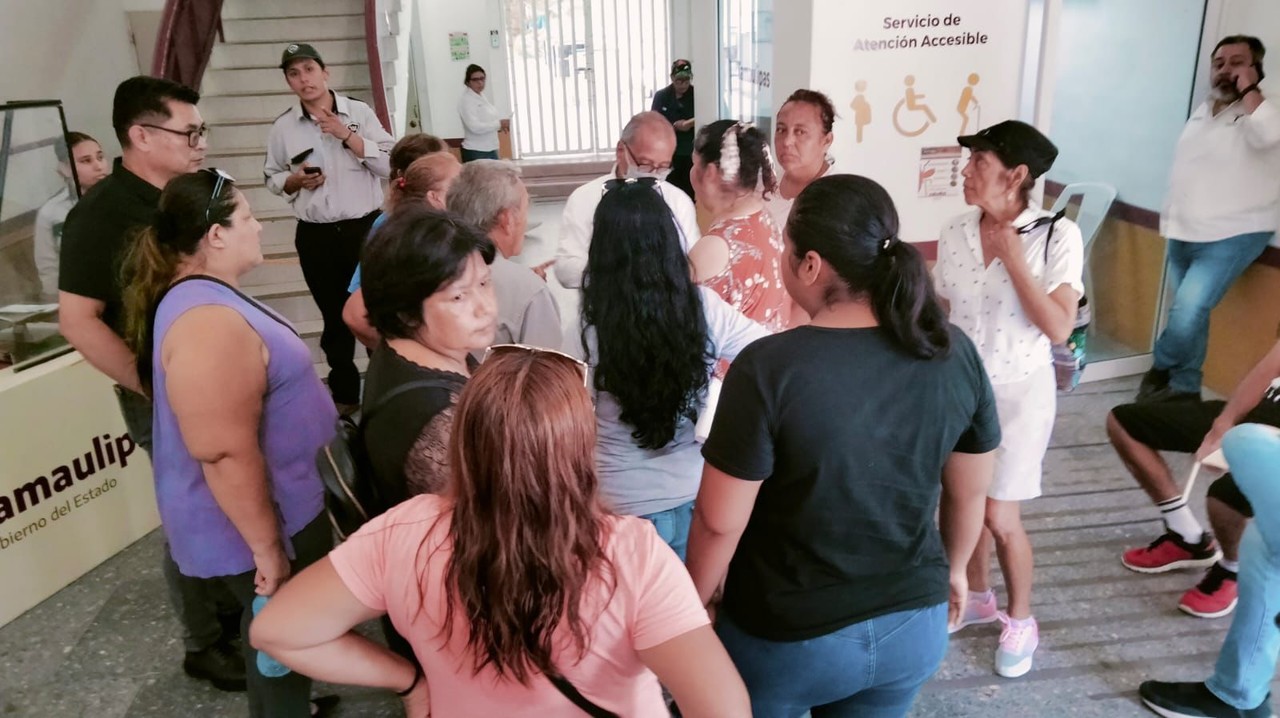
(652,336)
(833,446)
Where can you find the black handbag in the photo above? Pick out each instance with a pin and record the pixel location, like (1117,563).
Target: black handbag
(351,493)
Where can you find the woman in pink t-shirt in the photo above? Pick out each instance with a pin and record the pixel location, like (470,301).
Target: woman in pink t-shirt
(546,582)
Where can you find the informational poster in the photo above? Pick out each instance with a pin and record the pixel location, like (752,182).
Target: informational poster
(909,76)
(940,171)
(74,487)
(459,46)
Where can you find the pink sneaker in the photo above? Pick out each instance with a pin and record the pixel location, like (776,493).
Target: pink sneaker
(1018,643)
(979,608)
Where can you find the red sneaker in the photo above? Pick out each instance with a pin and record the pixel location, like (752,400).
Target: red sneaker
(1214,596)
(1170,552)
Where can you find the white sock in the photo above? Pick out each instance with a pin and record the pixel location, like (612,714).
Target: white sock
(1232,566)
(1178,517)
(981,596)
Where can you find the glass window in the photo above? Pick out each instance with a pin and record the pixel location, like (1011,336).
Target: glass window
(37,189)
(746,62)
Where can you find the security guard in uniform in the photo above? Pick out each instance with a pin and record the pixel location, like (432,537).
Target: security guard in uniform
(328,156)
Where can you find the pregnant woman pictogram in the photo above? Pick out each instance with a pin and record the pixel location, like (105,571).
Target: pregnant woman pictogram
(912,102)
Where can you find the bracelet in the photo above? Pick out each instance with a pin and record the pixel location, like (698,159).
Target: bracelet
(417,676)
(350,134)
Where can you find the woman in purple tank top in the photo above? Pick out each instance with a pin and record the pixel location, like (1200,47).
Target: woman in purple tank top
(239,410)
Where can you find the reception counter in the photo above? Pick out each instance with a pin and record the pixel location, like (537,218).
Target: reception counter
(74,488)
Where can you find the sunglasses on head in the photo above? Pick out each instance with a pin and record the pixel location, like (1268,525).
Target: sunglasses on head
(610,185)
(580,365)
(222,178)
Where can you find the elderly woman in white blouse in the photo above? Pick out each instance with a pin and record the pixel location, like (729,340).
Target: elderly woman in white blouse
(480,119)
(1011,275)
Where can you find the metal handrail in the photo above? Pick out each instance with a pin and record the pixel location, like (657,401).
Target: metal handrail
(376,82)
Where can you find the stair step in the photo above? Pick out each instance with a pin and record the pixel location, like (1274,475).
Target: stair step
(295,29)
(245,166)
(282,270)
(228,56)
(237,107)
(268,79)
(243,9)
(535,170)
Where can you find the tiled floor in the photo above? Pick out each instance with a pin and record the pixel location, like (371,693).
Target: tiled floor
(107,646)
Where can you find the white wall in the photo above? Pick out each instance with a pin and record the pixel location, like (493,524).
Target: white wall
(70,50)
(1260,18)
(441,80)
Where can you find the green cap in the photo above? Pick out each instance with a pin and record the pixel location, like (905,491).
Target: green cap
(299,51)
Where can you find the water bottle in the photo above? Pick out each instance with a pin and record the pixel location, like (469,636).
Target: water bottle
(267,666)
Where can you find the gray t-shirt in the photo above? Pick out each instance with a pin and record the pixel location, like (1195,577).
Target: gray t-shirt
(527,313)
(636,481)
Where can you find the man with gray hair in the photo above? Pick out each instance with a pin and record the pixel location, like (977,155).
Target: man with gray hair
(645,150)
(491,195)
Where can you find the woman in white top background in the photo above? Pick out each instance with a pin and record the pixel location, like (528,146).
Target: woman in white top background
(802,136)
(481,122)
(1011,275)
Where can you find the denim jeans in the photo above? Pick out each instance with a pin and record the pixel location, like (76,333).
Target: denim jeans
(1202,272)
(673,526)
(1247,661)
(471,155)
(872,669)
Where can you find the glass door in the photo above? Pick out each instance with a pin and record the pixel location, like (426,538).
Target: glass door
(1116,114)
(580,69)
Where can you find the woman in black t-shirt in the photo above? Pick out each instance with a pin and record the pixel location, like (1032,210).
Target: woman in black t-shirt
(833,445)
(427,292)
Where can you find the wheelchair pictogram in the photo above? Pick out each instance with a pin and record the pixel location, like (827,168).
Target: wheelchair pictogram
(912,100)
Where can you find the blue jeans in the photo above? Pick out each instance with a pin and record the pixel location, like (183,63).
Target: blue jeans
(673,526)
(1202,273)
(1247,662)
(872,669)
(470,155)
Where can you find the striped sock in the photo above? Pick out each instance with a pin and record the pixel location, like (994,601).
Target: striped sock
(1179,519)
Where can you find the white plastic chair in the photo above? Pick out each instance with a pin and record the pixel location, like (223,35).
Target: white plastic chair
(1095,201)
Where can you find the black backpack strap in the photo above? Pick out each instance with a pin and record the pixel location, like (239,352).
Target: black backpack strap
(386,399)
(575,696)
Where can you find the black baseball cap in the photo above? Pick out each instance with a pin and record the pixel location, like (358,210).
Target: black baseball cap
(299,51)
(681,69)
(1015,143)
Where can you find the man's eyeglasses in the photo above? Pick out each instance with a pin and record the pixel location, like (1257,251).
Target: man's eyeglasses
(193,136)
(656,169)
(222,179)
(580,365)
(477,78)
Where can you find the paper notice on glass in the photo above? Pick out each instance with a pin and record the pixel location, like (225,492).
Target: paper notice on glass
(940,171)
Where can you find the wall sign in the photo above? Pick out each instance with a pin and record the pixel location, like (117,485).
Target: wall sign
(907,77)
(459,46)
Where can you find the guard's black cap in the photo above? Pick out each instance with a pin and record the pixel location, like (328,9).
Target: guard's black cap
(1015,143)
(299,51)
(681,69)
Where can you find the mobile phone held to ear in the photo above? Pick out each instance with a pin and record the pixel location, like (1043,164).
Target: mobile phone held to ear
(311,170)
(301,156)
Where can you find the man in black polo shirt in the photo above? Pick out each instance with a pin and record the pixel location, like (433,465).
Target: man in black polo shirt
(162,136)
(675,102)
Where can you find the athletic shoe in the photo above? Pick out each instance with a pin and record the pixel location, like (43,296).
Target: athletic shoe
(1194,700)
(1018,643)
(976,612)
(1153,381)
(1214,596)
(1170,552)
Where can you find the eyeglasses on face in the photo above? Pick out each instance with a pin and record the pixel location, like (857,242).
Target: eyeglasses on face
(476,78)
(222,178)
(193,136)
(580,365)
(645,167)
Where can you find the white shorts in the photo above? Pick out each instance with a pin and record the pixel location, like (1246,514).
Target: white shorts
(1027,409)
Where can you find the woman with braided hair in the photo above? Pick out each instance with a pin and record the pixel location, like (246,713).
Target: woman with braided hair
(739,256)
